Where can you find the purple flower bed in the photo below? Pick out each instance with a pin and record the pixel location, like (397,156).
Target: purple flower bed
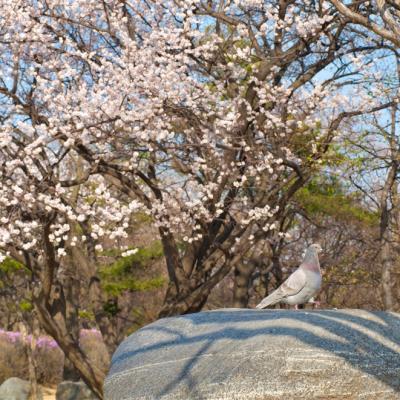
(46,341)
(49,357)
(91,332)
(14,337)
(14,360)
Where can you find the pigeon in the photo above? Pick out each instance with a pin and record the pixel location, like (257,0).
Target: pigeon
(302,285)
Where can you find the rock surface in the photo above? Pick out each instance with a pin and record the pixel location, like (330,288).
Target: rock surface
(261,354)
(15,389)
(69,390)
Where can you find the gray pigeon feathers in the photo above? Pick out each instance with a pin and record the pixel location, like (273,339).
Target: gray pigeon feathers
(302,285)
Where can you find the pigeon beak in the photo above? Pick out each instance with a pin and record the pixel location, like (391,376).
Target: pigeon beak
(318,247)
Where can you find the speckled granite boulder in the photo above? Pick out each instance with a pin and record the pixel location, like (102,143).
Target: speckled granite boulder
(261,354)
(16,389)
(69,390)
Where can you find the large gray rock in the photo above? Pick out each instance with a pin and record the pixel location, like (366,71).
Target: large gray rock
(15,389)
(261,354)
(69,390)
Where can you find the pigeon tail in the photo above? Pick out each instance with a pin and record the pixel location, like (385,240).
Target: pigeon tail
(270,300)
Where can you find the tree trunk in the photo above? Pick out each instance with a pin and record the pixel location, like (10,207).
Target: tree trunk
(385,238)
(71,289)
(196,293)
(183,304)
(104,321)
(30,346)
(91,375)
(386,218)
(242,275)
(386,276)
(109,332)
(277,269)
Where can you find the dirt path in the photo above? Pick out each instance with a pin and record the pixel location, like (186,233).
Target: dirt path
(49,393)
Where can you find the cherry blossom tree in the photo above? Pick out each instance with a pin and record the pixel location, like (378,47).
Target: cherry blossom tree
(208,116)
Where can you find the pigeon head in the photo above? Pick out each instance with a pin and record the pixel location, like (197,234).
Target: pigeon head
(316,247)
(310,260)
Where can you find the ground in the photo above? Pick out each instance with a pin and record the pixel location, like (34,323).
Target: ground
(49,393)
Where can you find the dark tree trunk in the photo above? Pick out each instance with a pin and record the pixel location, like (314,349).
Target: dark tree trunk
(385,240)
(71,289)
(193,294)
(52,312)
(194,274)
(242,276)
(387,287)
(109,331)
(105,321)
(277,269)
(186,304)
(388,195)
(92,376)
(30,346)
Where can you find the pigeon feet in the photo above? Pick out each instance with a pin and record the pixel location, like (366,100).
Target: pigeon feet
(316,304)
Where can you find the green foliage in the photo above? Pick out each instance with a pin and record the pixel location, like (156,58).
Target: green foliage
(8,268)
(330,198)
(302,139)
(115,288)
(87,315)
(25,306)
(120,275)
(9,265)
(111,307)
(139,259)
(306,141)
(142,218)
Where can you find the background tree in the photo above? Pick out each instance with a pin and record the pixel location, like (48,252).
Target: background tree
(379,17)
(375,176)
